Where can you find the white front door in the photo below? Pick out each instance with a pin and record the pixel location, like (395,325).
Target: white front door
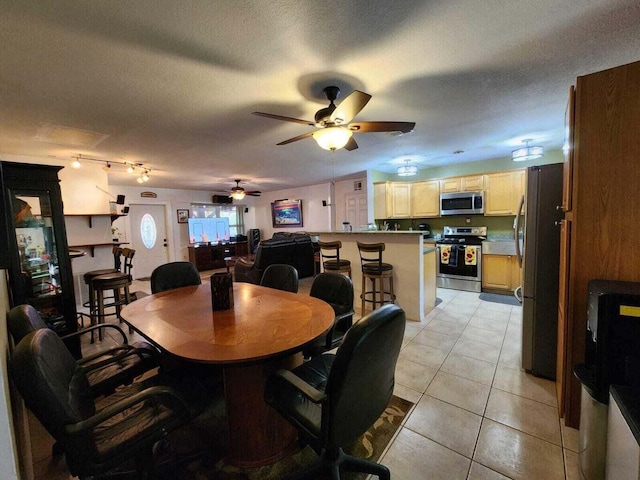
(148,238)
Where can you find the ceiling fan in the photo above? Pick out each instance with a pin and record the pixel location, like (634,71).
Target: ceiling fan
(333,128)
(238,193)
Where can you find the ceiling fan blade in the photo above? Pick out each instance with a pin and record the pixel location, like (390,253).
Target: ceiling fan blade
(255,193)
(351,144)
(286,119)
(350,107)
(364,127)
(295,139)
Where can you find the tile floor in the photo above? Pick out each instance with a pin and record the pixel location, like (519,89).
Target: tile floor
(477,415)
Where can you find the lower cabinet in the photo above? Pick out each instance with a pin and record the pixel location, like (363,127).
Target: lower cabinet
(500,272)
(209,257)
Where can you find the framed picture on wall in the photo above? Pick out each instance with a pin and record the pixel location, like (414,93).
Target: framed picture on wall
(183,215)
(286,213)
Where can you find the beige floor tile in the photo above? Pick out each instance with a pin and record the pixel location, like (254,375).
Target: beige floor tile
(570,437)
(514,330)
(494,324)
(413,375)
(469,368)
(479,350)
(495,307)
(454,316)
(460,309)
(460,392)
(510,357)
(480,472)
(572,465)
(526,385)
(492,314)
(526,415)
(441,326)
(406,393)
(446,424)
(424,355)
(516,454)
(412,456)
(516,316)
(435,339)
(411,329)
(512,342)
(481,335)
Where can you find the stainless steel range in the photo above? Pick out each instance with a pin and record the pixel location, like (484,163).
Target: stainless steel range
(460,258)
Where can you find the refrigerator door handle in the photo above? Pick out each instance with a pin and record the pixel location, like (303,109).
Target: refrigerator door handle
(516,229)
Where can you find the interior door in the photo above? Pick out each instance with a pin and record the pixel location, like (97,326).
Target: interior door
(148,238)
(356,210)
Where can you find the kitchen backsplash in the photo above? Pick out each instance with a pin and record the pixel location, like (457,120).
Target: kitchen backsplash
(498,228)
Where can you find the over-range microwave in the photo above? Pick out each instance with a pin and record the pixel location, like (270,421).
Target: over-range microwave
(462,203)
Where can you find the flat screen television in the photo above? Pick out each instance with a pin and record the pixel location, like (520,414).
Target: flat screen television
(208,230)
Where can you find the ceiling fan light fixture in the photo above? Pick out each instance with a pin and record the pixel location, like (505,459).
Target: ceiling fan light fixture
(237,195)
(332,138)
(527,152)
(407,170)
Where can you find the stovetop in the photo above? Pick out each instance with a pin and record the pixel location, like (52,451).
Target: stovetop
(463,236)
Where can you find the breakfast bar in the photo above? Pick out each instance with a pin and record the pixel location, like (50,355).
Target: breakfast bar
(414,265)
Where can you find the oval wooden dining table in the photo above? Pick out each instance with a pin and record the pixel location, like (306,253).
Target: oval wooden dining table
(263,332)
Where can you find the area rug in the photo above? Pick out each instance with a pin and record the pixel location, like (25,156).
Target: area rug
(496,298)
(370,446)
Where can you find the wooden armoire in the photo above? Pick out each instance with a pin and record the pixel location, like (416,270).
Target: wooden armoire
(600,233)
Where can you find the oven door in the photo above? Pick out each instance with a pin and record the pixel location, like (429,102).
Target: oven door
(457,266)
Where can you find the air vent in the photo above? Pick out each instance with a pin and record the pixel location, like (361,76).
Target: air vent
(72,137)
(357,185)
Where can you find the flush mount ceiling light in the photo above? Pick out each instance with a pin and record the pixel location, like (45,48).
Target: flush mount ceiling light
(527,152)
(407,170)
(332,138)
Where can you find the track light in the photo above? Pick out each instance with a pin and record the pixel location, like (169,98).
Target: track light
(130,167)
(76,163)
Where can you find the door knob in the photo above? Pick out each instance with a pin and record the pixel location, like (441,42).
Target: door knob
(560,208)
(559,223)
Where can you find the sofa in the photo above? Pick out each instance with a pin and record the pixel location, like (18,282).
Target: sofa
(289,248)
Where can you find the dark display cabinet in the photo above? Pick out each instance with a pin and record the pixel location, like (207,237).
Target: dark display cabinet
(37,257)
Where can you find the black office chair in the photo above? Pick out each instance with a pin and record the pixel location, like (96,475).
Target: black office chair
(280,276)
(337,290)
(97,436)
(105,370)
(333,399)
(174,275)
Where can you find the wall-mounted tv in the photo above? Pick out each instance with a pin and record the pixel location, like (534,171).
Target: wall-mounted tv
(208,230)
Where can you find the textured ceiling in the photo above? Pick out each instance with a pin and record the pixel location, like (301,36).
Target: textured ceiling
(172,84)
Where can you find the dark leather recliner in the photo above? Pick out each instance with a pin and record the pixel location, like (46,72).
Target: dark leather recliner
(97,436)
(333,399)
(174,275)
(106,369)
(294,250)
(337,290)
(280,276)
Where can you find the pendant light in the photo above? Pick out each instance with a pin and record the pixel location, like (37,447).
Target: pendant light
(407,170)
(527,152)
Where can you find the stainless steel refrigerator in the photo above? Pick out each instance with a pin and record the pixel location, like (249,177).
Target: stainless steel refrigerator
(538,224)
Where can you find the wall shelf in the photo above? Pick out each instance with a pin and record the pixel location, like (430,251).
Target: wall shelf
(90,216)
(91,246)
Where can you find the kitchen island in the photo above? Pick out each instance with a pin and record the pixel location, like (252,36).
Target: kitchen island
(414,266)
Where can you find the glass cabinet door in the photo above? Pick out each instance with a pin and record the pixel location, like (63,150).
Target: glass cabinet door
(39,282)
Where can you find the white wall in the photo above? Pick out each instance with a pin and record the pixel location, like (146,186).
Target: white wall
(315,217)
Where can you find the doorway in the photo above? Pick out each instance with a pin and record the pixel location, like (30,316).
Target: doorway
(148,238)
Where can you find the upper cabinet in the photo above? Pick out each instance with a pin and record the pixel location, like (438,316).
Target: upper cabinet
(425,199)
(469,183)
(503,192)
(400,200)
(382,200)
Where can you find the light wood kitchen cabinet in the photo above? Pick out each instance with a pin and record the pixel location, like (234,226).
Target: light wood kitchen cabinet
(500,272)
(381,200)
(425,199)
(469,183)
(604,221)
(400,200)
(503,192)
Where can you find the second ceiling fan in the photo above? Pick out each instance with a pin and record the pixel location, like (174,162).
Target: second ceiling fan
(334,129)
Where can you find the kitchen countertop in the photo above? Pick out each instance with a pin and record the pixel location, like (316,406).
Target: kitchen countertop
(374,232)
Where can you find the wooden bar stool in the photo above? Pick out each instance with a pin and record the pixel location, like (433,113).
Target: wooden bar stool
(117,265)
(117,282)
(374,269)
(331,261)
